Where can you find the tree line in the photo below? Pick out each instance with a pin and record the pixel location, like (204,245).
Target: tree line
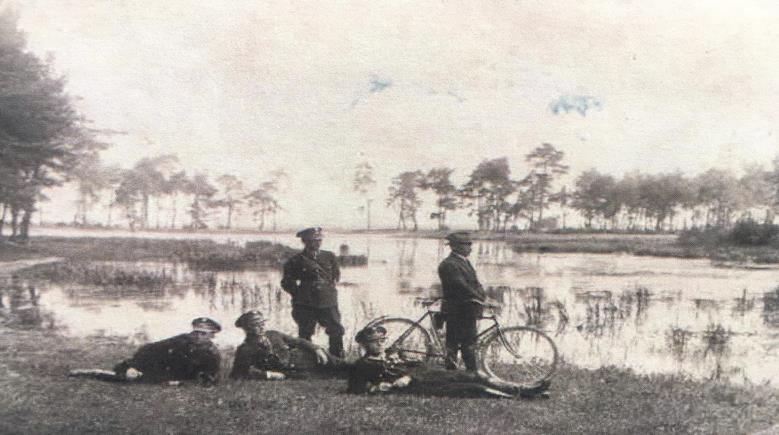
(45,142)
(159,186)
(635,202)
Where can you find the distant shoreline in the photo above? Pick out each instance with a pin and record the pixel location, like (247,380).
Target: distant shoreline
(656,245)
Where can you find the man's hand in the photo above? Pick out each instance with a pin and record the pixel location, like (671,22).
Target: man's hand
(275,376)
(321,356)
(402,382)
(132,374)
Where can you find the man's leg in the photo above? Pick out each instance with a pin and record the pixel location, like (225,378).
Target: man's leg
(305,317)
(468,337)
(453,340)
(330,318)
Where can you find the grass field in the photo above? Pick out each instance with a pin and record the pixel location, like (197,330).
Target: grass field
(38,398)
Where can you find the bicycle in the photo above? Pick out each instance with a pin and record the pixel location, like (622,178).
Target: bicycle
(519,354)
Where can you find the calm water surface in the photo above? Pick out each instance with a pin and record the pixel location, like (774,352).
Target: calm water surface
(649,314)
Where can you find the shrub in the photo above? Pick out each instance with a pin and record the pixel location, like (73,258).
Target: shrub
(751,233)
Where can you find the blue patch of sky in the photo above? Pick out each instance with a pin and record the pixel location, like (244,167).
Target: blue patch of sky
(580,104)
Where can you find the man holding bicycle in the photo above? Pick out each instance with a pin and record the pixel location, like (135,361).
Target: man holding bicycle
(463,300)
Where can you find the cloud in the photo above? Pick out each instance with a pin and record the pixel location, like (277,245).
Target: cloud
(579,103)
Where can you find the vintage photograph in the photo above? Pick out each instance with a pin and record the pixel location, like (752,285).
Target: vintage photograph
(283,217)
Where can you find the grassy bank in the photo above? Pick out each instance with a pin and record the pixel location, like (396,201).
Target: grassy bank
(38,398)
(210,255)
(200,254)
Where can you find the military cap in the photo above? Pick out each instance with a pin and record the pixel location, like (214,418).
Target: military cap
(206,325)
(313,233)
(250,317)
(459,237)
(371,333)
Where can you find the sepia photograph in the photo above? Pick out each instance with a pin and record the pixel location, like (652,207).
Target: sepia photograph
(434,216)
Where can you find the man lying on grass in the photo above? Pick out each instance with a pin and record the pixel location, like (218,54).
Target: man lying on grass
(190,356)
(273,355)
(376,372)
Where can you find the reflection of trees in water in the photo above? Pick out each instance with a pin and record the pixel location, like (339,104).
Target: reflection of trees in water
(22,305)
(714,348)
(677,340)
(493,253)
(705,305)
(716,341)
(605,313)
(407,251)
(529,306)
(771,308)
(743,304)
(236,295)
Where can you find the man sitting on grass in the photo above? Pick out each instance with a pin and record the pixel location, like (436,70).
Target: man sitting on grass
(273,355)
(190,356)
(376,372)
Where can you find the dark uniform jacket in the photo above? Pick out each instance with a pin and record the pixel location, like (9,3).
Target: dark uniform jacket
(459,284)
(272,351)
(368,372)
(311,282)
(183,357)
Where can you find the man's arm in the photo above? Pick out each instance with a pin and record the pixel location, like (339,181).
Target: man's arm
(209,363)
(322,356)
(454,276)
(289,281)
(336,270)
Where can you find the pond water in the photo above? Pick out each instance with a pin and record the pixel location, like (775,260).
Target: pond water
(649,314)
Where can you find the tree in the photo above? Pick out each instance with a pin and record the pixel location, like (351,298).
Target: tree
(545,163)
(403,195)
(202,191)
(757,184)
(719,191)
(438,180)
(563,198)
(593,194)
(177,183)
(487,192)
(232,195)
(363,184)
(263,202)
(146,179)
(91,178)
(41,135)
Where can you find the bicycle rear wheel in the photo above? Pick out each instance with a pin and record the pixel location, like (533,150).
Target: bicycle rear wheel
(407,339)
(519,354)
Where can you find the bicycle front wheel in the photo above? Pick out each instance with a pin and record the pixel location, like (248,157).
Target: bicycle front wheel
(406,339)
(519,354)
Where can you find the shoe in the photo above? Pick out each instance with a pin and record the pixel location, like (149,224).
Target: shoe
(541,395)
(538,391)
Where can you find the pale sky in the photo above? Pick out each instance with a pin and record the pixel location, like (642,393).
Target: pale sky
(246,87)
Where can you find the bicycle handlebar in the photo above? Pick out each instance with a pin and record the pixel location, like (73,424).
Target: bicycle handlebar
(426,302)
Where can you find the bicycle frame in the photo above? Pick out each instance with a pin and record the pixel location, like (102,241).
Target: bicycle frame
(437,339)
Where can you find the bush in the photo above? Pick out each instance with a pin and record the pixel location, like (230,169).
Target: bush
(751,233)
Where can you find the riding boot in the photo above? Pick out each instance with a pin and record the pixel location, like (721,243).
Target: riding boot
(469,358)
(451,358)
(337,345)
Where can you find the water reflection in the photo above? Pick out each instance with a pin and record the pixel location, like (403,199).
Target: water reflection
(651,314)
(19,305)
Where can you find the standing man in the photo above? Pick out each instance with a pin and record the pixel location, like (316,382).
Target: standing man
(463,299)
(310,277)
